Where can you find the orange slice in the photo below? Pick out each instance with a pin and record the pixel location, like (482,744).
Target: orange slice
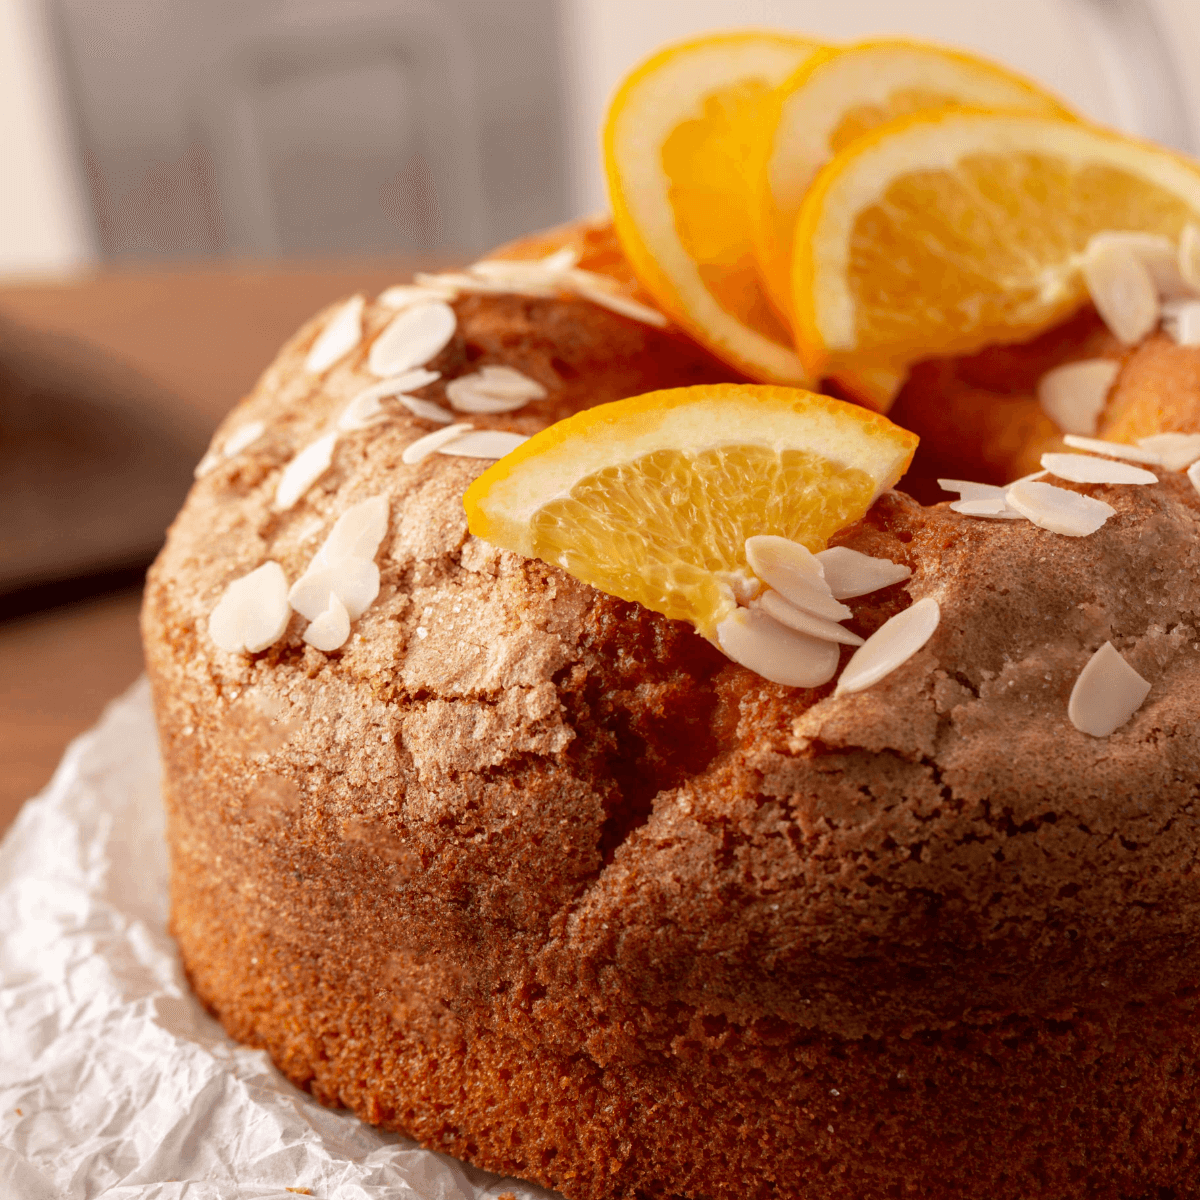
(652,499)
(837,96)
(941,233)
(676,143)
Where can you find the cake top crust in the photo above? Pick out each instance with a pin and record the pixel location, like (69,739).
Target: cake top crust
(567,780)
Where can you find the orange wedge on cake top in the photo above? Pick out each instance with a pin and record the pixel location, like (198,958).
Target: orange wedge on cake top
(653,498)
(676,146)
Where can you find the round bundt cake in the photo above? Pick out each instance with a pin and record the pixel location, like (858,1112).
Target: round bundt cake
(543,880)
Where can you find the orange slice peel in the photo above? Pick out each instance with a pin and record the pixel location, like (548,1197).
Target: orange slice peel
(676,146)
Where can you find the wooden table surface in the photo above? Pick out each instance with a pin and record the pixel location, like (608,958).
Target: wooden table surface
(204,333)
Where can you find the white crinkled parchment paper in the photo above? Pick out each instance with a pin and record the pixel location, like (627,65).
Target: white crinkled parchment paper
(114,1082)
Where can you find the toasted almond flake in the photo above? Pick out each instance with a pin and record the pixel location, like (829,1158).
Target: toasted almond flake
(1182,323)
(517,270)
(850,573)
(1193,473)
(362,412)
(561,260)
(990,507)
(1137,453)
(252,612)
(423,447)
(623,305)
(412,337)
(304,470)
(1158,255)
(1176,451)
(1087,468)
(355,582)
(474,283)
(972,491)
(1189,256)
(1073,395)
(356,533)
(795,573)
(1121,289)
(545,278)
(341,334)
(210,462)
(331,629)
(483,443)
(367,406)
(426,409)
(405,295)
(553,271)
(890,646)
(1057,509)
(243,438)
(493,390)
(1107,693)
(755,640)
(774,605)
(344,566)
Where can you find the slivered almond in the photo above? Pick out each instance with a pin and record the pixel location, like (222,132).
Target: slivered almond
(483,443)
(252,612)
(423,447)
(412,338)
(1122,290)
(1138,453)
(1176,451)
(356,533)
(972,491)
(991,507)
(850,573)
(1087,468)
(405,295)
(890,646)
(304,470)
(331,629)
(774,605)
(341,334)
(1073,395)
(354,581)
(1107,693)
(795,573)
(493,389)
(755,640)
(1158,255)
(1181,322)
(1057,509)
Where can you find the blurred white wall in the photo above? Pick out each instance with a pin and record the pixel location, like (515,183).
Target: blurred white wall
(44,227)
(1134,64)
(1105,57)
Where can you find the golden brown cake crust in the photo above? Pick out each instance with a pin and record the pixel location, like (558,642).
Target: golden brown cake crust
(542,879)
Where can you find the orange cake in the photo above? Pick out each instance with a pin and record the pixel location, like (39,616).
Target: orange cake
(801,831)
(542,879)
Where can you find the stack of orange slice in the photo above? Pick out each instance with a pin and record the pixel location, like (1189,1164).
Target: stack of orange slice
(808,211)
